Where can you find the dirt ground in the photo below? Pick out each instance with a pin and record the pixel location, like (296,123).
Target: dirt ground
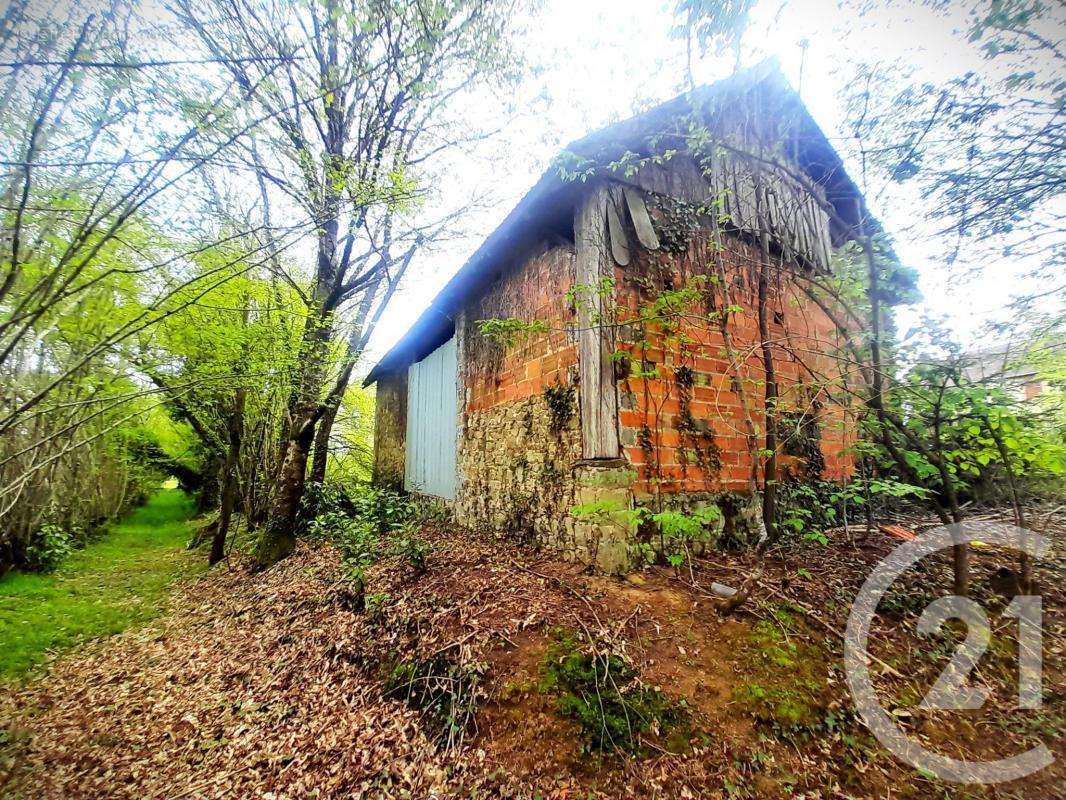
(270,686)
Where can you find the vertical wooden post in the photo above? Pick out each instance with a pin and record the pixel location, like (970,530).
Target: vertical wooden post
(595,340)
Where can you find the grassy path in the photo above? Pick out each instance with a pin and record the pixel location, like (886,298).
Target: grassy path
(113,583)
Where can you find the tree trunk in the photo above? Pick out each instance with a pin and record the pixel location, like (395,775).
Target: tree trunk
(1026,563)
(229,479)
(279,536)
(210,493)
(769,494)
(322,434)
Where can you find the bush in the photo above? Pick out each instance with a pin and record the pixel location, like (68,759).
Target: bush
(414,551)
(359,521)
(807,508)
(48,547)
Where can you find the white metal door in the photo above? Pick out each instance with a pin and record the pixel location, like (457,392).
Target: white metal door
(432,417)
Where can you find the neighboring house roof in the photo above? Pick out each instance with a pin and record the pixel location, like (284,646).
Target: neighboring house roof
(548,205)
(1011,363)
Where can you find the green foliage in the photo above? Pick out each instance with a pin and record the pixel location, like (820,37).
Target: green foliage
(116,581)
(48,547)
(808,507)
(356,538)
(414,551)
(383,510)
(352,460)
(572,167)
(674,531)
(958,435)
(366,523)
(511,332)
(679,530)
(446,692)
(602,693)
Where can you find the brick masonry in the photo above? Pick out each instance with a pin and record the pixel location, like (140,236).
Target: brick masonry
(685,396)
(519,457)
(519,435)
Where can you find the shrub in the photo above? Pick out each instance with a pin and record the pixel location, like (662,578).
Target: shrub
(359,522)
(356,538)
(48,547)
(807,508)
(413,550)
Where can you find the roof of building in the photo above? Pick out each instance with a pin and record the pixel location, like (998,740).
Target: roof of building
(1015,362)
(548,205)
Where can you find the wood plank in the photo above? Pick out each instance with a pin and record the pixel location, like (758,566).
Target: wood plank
(688,183)
(595,343)
(737,208)
(619,239)
(746,196)
(718,182)
(823,235)
(653,178)
(638,212)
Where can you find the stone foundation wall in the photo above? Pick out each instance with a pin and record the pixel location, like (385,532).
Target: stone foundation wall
(519,434)
(390,430)
(516,465)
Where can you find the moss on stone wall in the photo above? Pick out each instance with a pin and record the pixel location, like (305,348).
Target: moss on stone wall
(390,430)
(515,462)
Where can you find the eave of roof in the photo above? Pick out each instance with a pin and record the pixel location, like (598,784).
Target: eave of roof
(522,225)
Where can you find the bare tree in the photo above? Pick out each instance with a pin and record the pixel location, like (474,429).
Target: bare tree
(359,97)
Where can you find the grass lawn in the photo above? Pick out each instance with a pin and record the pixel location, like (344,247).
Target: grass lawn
(113,583)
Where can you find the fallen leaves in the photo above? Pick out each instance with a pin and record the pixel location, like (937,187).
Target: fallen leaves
(265,686)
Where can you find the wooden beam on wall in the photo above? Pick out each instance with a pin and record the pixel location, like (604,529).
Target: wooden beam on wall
(595,341)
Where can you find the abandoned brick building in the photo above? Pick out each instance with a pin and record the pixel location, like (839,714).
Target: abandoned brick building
(641,270)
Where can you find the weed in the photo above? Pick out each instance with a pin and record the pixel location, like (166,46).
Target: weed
(414,551)
(48,548)
(445,691)
(356,523)
(601,691)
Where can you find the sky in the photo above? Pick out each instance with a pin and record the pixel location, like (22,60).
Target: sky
(594,62)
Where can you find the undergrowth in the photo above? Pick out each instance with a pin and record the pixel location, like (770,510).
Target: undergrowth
(367,523)
(446,692)
(601,691)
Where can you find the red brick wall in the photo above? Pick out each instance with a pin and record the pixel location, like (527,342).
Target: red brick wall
(537,290)
(706,449)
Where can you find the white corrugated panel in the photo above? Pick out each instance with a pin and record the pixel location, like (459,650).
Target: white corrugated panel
(432,416)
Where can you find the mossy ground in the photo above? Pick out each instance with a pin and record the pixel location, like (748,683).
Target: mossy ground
(787,675)
(115,582)
(599,690)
